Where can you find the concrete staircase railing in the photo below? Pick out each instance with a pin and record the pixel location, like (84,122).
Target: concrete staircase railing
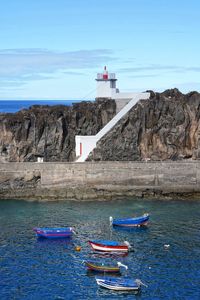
(113,122)
(120,114)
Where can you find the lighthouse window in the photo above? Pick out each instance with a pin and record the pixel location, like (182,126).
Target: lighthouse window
(112,84)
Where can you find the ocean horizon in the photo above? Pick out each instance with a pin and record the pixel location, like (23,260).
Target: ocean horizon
(12,106)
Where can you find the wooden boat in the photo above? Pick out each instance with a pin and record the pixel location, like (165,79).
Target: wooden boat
(53,232)
(119,284)
(130,222)
(109,246)
(100,267)
(106,268)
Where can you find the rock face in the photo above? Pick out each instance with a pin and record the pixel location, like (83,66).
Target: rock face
(49,131)
(167,126)
(164,127)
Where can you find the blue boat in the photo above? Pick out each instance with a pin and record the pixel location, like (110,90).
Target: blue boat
(53,232)
(119,284)
(130,222)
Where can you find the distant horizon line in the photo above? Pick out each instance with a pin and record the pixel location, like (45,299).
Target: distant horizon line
(47,99)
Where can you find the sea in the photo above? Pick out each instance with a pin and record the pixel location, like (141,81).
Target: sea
(12,106)
(34,269)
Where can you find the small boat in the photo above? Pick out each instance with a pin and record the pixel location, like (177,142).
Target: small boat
(53,232)
(109,254)
(130,222)
(109,246)
(119,284)
(106,268)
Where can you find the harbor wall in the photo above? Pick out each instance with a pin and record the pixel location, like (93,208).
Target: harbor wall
(99,180)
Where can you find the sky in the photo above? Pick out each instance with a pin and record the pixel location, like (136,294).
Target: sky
(53,49)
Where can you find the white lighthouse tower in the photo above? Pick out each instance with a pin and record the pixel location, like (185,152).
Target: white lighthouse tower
(106,84)
(106,88)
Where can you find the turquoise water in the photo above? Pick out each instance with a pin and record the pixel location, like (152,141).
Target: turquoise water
(52,269)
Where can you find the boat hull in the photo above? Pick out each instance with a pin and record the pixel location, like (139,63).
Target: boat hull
(117,284)
(53,233)
(108,248)
(102,268)
(132,222)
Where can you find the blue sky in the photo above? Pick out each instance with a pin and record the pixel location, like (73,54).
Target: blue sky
(53,49)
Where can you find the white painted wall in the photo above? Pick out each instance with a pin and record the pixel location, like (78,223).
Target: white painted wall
(122,95)
(40,159)
(88,144)
(120,103)
(104,89)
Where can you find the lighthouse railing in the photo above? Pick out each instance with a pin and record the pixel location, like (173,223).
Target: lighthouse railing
(110,76)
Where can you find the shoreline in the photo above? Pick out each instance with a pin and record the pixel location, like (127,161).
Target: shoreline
(99,198)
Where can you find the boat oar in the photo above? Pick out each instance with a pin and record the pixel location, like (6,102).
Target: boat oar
(139,282)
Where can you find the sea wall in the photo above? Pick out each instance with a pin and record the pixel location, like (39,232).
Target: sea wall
(99,180)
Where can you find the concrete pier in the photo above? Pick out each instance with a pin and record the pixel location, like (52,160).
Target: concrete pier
(102,180)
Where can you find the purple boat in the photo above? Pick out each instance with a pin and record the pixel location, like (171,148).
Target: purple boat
(53,232)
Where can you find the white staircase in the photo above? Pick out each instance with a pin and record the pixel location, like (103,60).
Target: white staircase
(90,146)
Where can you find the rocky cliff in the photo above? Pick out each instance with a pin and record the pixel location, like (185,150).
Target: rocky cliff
(164,127)
(167,126)
(50,131)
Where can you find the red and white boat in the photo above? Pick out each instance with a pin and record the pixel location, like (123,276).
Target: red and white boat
(109,246)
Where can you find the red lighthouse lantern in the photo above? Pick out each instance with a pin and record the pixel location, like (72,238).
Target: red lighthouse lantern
(105,74)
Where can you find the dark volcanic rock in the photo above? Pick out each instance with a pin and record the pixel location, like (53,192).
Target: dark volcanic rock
(50,131)
(167,126)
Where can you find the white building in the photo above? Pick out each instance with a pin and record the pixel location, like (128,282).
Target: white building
(106,85)
(106,88)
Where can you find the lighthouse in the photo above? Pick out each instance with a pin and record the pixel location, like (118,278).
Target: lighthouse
(106,84)
(106,88)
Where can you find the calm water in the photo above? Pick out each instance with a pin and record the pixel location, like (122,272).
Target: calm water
(12,106)
(52,269)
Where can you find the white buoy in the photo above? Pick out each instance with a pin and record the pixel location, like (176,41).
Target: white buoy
(111,220)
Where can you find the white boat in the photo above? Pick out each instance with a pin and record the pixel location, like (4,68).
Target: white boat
(119,284)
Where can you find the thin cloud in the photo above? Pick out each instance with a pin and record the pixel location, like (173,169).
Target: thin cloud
(144,76)
(73,73)
(188,86)
(171,68)
(22,65)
